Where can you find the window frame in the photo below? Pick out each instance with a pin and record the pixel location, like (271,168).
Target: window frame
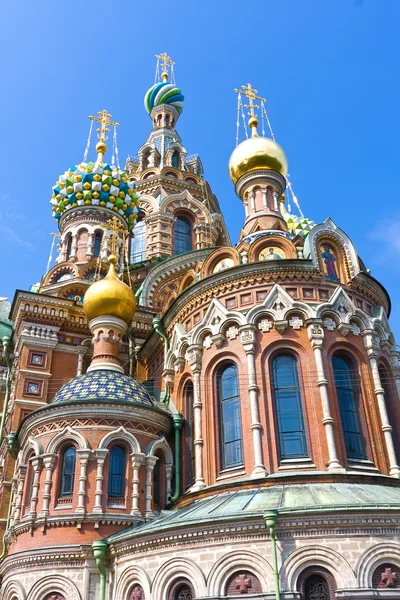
(189,235)
(122,473)
(357,399)
(224,465)
(298,389)
(62,492)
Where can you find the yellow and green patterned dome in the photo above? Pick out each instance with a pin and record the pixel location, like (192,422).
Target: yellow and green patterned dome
(95,184)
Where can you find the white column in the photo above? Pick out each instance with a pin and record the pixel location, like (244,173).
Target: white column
(316,337)
(20,492)
(83,462)
(150,462)
(80,364)
(14,491)
(89,247)
(246,207)
(194,356)
(74,244)
(252,201)
(275,196)
(371,343)
(137,461)
(247,337)
(168,477)
(37,465)
(101,455)
(264,197)
(49,462)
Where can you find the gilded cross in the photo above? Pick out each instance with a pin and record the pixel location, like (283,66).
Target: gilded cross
(251,94)
(243,583)
(166,64)
(117,229)
(389,577)
(104,118)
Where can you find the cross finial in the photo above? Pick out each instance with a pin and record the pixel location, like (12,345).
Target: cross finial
(166,64)
(115,226)
(251,94)
(104,118)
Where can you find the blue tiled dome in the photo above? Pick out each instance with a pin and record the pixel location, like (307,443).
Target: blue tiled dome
(104,386)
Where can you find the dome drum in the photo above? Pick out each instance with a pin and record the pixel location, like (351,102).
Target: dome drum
(259,176)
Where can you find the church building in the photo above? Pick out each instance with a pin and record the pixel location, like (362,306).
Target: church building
(188,418)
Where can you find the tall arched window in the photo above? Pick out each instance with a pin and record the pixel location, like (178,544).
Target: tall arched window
(348,397)
(68,471)
(175,159)
(189,437)
(68,246)
(181,590)
(316,588)
(182,236)
(289,409)
(138,241)
(29,483)
(231,426)
(97,244)
(116,476)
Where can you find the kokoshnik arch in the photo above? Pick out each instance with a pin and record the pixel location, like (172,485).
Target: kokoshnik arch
(184,418)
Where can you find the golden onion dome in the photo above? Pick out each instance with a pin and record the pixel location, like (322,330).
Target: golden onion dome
(110,297)
(257,153)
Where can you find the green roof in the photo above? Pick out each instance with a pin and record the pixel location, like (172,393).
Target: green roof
(255,502)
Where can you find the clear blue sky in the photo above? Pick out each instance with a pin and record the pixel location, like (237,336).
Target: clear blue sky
(329,69)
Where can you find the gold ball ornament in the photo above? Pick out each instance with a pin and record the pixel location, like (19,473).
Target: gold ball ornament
(254,154)
(101,148)
(110,297)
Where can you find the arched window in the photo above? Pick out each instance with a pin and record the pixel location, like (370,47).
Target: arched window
(230,420)
(68,472)
(289,409)
(182,236)
(146,159)
(136,593)
(138,241)
(69,246)
(97,244)
(29,484)
(116,476)
(181,590)
(189,433)
(348,397)
(175,160)
(54,596)
(316,588)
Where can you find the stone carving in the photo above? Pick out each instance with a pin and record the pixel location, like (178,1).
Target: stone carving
(265,325)
(329,324)
(243,583)
(207,342)
(296,323)
(232,333)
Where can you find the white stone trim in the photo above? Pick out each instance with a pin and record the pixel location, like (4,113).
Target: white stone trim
(236,561)
(176,568)
(67,434)
(372,558)
(54,583)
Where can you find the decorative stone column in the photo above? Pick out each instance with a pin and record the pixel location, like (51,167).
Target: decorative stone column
(194,358)
(83,454)
(74,244)
(371,343)
(101,455)
(20,492)
(79,369)
(49,462)
(14,486)
(168,477)
(248,339)
(316,337)
(137,461)
(89,247)
(37,464)
(150,462)
(264,197)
